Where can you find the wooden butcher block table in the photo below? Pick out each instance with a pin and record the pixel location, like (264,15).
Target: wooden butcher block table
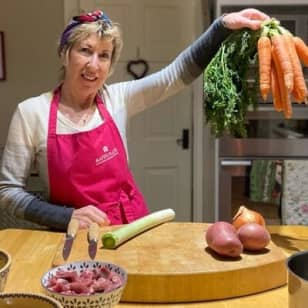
(171,263)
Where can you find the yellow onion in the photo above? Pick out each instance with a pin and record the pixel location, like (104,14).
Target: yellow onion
(244,216)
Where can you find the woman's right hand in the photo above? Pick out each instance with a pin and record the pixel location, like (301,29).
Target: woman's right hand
(88,214)
(250,18)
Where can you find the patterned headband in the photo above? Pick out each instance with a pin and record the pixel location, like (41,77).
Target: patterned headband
(84,18)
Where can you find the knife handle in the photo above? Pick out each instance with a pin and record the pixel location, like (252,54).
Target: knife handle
(73,227)
(93,231)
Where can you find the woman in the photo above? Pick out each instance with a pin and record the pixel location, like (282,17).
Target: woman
(75,134)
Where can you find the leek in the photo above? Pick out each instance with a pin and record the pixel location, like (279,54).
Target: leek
(115,238)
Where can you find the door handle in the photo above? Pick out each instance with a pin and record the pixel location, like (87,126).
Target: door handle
(235,163)
(184,140)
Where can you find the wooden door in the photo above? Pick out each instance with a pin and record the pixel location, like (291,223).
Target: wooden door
(156,31)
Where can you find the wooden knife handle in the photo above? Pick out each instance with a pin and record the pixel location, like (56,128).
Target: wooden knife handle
(93,231)
(73,227)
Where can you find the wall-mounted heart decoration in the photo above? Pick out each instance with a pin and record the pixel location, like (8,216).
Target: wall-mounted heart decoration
(137,68)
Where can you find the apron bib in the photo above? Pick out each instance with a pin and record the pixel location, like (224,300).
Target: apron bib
(90,168)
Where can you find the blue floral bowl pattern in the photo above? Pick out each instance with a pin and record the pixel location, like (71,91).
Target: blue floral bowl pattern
(96,300)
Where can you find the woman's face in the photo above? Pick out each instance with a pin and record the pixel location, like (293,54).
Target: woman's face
(88,63)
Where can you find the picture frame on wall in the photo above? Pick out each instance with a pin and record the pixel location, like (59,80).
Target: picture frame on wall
(2,57)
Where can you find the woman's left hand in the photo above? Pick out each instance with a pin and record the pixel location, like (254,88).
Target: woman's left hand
(247,18)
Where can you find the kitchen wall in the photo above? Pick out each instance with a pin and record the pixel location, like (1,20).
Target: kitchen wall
(31,29)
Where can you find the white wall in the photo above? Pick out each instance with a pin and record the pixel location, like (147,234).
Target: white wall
(31,30)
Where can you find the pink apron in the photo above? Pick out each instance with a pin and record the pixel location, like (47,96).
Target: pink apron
(90,168)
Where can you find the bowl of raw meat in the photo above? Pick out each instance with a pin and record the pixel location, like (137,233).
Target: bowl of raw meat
(5,263)
(85,284)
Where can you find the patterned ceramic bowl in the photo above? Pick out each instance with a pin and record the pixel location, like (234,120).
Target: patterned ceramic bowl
(5,263)
(27,300)
(85,284)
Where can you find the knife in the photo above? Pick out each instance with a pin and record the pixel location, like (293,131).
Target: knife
(92,239)
(69,238)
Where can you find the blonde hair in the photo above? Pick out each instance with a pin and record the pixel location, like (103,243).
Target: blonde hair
(83,31)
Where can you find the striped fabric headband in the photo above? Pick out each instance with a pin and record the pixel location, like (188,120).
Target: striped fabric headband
(84,18)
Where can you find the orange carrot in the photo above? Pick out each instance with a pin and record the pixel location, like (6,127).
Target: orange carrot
(281,52)
(275,89)
(301,49)
(284,93)
(264,55)
(299,89)
(297,97)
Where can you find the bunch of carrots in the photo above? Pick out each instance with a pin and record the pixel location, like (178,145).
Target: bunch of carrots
(281,57)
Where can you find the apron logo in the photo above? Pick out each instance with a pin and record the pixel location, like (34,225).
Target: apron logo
(108,154)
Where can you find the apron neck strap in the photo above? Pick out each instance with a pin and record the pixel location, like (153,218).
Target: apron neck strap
(102,107)
(53,111)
